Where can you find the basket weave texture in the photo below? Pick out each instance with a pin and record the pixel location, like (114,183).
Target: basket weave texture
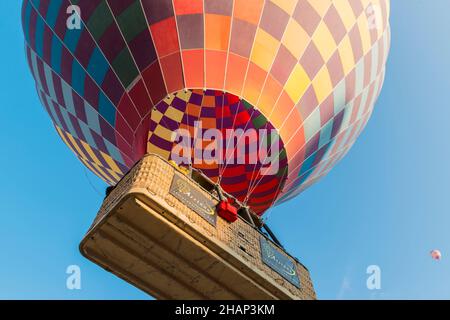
(152,178)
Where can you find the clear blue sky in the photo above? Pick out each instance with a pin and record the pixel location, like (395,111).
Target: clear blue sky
(387,203)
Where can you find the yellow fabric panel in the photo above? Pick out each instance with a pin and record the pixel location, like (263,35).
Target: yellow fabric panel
(75,145)
(156,116)
(174,114)
(151,148)
(169,99)
(364,32)
(95,166)
(324,41)
(184,95)
(96,170)
(346,54)
(322,84)
(163,133)
(110,161)
(295,39)
(321,6)
(346,13)
(287,5)
(264,50)
(90,152)
(103,171)
(60,133)
(297,84)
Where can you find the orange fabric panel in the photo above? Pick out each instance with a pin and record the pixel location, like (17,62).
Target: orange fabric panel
(188,6)
(248,10)
(215,69)
(254,83)
(236,69)
(193,64)
(269,96)
(217,32)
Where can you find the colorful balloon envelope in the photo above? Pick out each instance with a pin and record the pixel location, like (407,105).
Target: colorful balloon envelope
(436,254)
(120,79)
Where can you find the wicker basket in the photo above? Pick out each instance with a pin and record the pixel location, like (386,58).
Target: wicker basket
(157,231)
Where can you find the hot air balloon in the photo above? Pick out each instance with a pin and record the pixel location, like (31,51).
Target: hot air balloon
(128,82)
(117,78)
(118,83)
(436,254)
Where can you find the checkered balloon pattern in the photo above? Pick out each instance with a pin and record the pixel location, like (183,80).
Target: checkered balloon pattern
(119,77)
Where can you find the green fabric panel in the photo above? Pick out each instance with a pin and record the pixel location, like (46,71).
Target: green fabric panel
(100,20)
(125,67)
(132,21)
(259,121)
(247,105)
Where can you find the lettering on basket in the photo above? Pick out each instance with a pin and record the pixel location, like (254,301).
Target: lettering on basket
(194,199)
(279,262)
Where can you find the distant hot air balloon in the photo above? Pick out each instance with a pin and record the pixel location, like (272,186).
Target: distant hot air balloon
(119,77)
(436,254)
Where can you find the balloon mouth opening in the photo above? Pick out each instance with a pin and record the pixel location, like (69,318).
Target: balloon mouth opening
(223,136)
